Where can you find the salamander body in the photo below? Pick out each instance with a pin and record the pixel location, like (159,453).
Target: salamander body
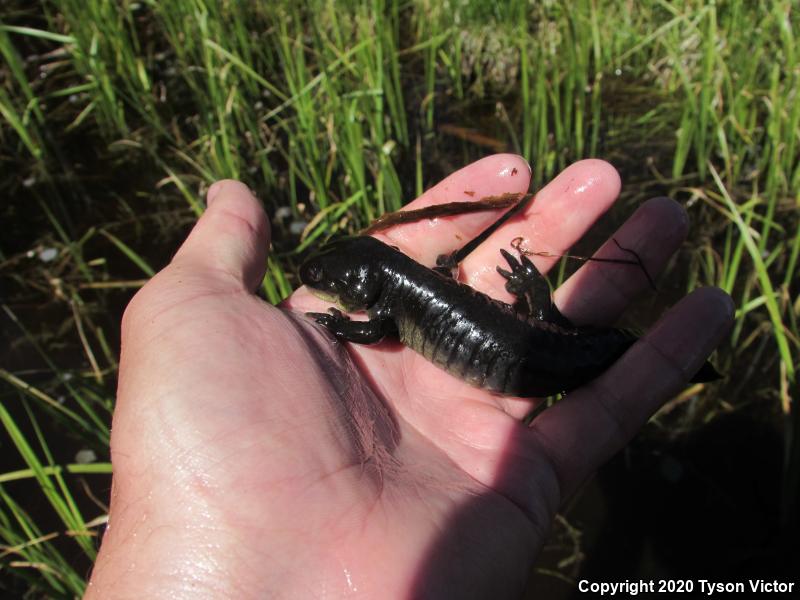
(526,349)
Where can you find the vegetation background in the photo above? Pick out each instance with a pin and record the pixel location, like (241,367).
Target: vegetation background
(116,116)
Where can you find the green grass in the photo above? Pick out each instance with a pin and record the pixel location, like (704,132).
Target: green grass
(115,118)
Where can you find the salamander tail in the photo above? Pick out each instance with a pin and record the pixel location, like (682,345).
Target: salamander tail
(706,373)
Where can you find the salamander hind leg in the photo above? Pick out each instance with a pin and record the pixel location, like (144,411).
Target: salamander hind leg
(447,264)
(359,332)
(531,289)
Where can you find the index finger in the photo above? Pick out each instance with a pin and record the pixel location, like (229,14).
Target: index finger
(426,239)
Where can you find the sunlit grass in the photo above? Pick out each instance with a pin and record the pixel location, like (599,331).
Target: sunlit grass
(331,112)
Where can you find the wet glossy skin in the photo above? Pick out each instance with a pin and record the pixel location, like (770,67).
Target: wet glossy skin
(521,350)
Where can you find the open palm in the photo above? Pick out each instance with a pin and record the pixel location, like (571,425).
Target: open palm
(255,456)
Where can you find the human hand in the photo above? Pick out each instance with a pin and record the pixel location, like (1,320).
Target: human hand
(254,457)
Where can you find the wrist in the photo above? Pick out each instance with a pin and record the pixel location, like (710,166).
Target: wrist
(145,556)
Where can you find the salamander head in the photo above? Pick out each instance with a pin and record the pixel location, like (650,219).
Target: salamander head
(346,272)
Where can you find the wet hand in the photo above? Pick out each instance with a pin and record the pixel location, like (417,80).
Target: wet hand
(254,456)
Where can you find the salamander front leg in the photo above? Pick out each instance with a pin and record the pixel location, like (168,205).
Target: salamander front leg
(360,332)
(531,289)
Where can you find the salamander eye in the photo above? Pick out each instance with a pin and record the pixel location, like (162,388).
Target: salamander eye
(314,274)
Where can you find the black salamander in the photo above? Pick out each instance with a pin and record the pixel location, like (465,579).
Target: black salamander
(526,349)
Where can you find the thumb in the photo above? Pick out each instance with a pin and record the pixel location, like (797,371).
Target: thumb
(231,239)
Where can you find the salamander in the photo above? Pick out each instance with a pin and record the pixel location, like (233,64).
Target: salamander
(525,349)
